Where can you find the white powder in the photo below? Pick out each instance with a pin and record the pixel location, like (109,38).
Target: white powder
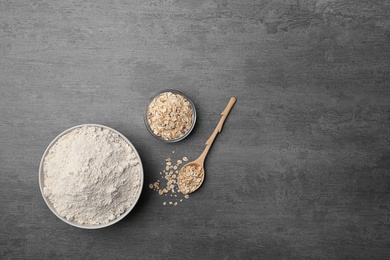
(91,175)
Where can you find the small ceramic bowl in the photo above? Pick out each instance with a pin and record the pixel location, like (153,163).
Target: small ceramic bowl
(192,122)
(73,223)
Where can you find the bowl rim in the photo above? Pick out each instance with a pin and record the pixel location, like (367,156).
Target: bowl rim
(193,116)
(73,223)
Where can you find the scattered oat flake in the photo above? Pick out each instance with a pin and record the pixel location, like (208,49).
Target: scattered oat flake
(185,159)
(170,185)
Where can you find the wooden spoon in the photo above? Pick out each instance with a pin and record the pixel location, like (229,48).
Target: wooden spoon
(191,175)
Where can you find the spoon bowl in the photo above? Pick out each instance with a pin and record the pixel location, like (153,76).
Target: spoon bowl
(191,177)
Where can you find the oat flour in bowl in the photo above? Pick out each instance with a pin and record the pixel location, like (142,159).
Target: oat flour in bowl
(91,175)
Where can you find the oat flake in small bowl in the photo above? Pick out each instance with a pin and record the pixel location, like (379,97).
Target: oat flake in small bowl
(170,116)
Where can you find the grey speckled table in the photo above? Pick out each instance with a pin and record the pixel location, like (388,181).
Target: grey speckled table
(301,169)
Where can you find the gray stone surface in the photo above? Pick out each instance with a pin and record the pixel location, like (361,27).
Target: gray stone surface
(300,170)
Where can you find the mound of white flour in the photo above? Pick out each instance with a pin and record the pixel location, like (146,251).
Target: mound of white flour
(91,175)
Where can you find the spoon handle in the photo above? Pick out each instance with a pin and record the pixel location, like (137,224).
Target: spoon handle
(217,130)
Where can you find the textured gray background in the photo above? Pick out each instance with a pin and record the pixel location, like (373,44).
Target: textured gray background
(300,170)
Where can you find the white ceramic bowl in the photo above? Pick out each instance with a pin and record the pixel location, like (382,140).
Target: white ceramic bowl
(73,223)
